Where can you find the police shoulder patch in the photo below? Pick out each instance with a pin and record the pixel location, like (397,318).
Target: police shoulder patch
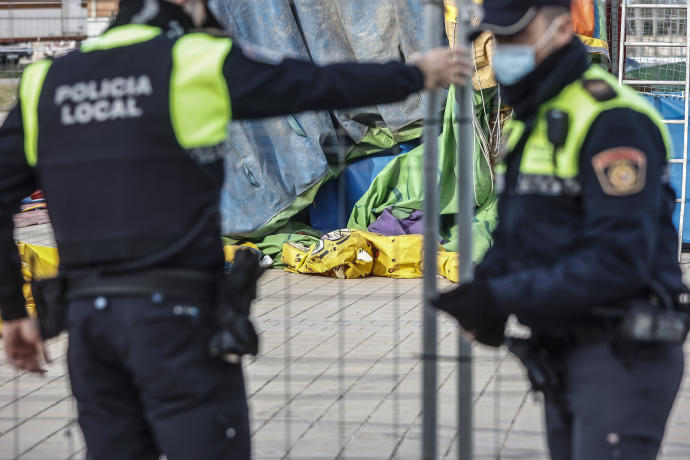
(621,171)
(600,89)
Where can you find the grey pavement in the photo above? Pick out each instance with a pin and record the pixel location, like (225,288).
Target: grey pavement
(339,376)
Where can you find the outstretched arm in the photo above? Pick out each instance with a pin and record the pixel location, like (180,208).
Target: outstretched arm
(262,89)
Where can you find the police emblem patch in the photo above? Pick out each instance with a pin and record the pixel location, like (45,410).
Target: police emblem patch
(621,171)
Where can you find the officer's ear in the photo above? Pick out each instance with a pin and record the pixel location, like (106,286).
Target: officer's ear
(558,23)
(564,31)
(560,18)
(555,30)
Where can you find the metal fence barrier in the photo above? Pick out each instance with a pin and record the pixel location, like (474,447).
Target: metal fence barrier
(349,368)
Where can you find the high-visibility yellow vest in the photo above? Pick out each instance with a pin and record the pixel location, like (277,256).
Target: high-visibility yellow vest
(551,170)
(200,107)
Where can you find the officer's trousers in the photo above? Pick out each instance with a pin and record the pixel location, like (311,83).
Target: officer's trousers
(145,384)
(613,408)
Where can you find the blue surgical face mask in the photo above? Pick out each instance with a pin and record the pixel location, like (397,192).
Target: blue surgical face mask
(512,62)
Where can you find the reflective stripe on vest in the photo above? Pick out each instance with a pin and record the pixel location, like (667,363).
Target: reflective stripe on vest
(199,100)
(130,34)
(34,75)
(537,172)
(29,95)
(200,108)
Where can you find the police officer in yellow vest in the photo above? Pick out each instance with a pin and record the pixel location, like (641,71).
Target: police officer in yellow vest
(585,252)
(121,137)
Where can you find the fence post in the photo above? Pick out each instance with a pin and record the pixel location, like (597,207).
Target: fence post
(465,157)
(686,137)
(615,29)
(433,13)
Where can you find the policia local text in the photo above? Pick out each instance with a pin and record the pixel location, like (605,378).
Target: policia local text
(109,99)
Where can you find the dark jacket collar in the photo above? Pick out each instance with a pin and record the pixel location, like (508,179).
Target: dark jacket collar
(548,79)
(171,18)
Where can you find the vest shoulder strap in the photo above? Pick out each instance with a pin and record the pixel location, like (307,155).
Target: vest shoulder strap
(200,107)
(30,90)
(126,35)
(597,92)
(582,101)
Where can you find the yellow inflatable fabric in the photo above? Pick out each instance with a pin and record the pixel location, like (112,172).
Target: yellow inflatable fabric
(398,256)
(483,49)
(231,250)
(339,254)
(38,262)
(449,265)
(350,254)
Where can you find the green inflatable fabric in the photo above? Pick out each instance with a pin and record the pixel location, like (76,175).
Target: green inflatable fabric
(272,245)
(401,184)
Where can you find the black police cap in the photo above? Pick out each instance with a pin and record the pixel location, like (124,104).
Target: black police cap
(508,17)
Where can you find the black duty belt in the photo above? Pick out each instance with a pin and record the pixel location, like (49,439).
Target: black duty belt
(175,284)
(590,331)
(595,333)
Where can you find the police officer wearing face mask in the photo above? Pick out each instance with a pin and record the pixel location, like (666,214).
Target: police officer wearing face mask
(121,136)
(585,252)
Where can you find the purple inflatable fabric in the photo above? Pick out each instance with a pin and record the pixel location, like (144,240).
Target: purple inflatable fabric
(398,221)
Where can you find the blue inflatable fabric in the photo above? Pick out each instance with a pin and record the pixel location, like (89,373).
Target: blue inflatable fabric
(672,107)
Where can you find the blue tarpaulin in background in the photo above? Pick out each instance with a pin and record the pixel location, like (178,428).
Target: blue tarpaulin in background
(365,30)
(672,107)
(274,167)
(269,162)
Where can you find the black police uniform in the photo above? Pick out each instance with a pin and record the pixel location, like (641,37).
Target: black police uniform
(555,256)
(598,232)
(110,138)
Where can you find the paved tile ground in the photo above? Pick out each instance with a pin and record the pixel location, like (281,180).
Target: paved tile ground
(323,339)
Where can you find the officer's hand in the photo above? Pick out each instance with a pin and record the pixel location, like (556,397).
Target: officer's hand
(24,345)
(442,67)
(473,306)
